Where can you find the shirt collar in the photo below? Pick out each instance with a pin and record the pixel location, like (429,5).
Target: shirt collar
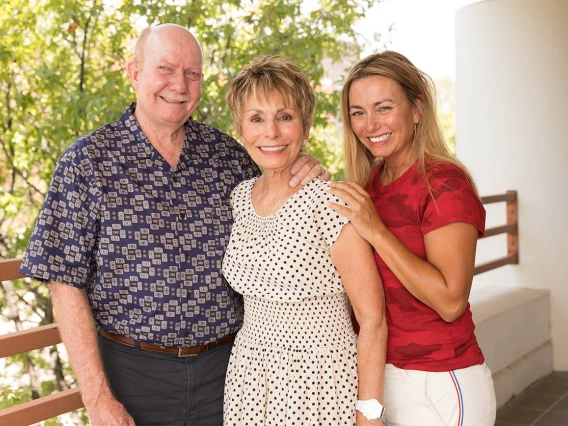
(139,147)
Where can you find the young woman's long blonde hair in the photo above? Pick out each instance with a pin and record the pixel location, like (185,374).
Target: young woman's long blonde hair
(428,143)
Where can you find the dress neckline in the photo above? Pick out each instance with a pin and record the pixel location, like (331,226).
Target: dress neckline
(277,211)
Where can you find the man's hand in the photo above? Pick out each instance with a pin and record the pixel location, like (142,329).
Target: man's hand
(307,168)
(107,411)
(79,334)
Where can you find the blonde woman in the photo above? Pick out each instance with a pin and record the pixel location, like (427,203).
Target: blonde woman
(418,207)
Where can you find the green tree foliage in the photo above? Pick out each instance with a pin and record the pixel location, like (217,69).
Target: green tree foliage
(446,110)
(62,76)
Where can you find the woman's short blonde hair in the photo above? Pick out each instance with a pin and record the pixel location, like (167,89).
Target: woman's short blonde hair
(420,91)
(266,75)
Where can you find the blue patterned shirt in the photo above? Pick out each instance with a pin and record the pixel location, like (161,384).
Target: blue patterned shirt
(144,239)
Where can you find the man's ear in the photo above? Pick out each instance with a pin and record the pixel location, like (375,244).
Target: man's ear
(133,69)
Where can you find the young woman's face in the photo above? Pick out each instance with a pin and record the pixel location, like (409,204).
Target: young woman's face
(382,117)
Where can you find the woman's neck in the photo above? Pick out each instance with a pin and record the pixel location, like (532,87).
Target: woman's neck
(395,168)
(271,191)
(276,179)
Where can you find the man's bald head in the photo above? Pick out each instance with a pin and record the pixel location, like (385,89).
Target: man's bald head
(170,29)
(166,74)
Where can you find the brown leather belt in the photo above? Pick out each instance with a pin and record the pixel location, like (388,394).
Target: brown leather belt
(180,352)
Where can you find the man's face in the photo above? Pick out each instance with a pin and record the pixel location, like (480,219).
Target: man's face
(168,81)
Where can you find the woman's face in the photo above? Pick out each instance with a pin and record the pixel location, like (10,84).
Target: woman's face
(382,117)
(272,133)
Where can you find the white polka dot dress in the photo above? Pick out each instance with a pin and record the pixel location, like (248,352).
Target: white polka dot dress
(294,360)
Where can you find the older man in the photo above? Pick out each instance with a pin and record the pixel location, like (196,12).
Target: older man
(131,237)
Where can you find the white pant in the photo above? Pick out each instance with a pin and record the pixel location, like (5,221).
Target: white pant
(463,397)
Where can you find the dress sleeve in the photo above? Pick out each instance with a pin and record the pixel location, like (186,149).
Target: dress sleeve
(327,222)
(62,246)
(453,199)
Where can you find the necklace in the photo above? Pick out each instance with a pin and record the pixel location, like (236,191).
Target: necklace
(273,207)
(266,214)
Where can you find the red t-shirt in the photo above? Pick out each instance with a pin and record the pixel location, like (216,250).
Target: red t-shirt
(418,338)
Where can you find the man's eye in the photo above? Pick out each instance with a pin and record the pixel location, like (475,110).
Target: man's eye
(193,75)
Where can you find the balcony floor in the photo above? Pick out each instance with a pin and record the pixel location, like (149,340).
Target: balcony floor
(545,403)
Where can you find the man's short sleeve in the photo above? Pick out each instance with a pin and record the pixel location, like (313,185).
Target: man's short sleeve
(63,242)
(454,200)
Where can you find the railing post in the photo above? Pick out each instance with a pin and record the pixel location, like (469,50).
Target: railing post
(513,236)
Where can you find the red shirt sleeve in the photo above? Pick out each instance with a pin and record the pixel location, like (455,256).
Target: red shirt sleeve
(453,200)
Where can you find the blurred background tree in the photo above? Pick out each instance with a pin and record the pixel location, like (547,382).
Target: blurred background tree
(62,76)
(445,91)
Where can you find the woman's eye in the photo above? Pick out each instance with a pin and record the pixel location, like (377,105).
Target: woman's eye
(356,113)
(385,109)
(285,117)
(255,119)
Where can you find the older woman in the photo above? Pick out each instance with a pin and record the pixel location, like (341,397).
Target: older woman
(296,359)
(418,207)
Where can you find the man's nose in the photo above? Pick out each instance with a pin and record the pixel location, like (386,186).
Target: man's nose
(179,82)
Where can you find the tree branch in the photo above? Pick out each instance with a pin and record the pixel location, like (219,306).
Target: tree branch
(17,170)
(227,45)
(32,308)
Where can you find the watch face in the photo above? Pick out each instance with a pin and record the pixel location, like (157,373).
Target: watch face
(371,409)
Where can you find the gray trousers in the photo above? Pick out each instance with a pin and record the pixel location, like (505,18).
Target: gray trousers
(162,389)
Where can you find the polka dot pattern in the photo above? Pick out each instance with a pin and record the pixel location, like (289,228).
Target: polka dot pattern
(294,360)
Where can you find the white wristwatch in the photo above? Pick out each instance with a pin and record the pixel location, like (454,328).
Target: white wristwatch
(370,408)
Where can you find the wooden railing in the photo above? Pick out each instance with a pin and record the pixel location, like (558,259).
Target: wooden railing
(24,341)
(511,228)
(69,400)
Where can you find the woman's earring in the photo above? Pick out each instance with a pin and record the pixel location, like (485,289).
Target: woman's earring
(305,140)
(414,136)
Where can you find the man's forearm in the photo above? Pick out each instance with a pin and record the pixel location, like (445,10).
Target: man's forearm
(79,334)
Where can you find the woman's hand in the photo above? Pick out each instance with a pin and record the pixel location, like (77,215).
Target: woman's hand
(360,209)
(354,260)
(443,282)
(362,421)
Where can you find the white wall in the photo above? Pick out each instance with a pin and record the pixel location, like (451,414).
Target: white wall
(512,132)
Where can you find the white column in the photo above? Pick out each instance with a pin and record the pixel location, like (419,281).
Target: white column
(512,132)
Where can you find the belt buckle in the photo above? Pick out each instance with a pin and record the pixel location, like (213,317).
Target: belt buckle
(181,355)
